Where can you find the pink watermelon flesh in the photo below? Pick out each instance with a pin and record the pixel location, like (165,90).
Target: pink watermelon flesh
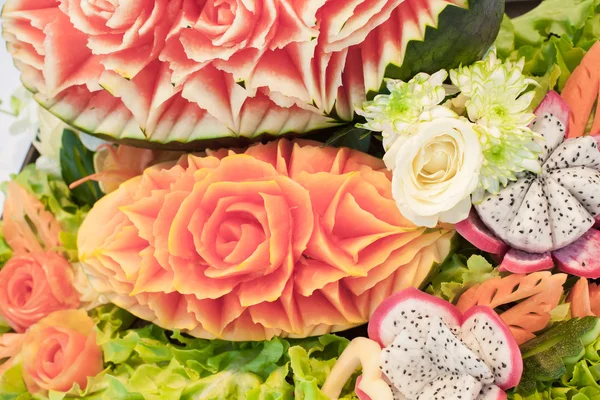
(475,231)
(428,343)
(173,87)
(581,258)
(521,262)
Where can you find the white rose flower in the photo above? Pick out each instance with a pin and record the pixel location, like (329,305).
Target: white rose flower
(435,171)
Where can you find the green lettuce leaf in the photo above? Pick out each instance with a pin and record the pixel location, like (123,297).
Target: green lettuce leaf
(458,273)
(151,363)
(557,33)
(12,386)
(77,162)
(553,17)
(110,320)
(54,193)
(560,313)
(4,326)
(505,42)
(5,250)
(544,85)
(312,362)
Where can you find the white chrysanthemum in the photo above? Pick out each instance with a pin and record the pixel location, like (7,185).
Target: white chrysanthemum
(408,103)
(498,104)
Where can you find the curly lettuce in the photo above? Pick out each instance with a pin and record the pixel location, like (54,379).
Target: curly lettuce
(153,364)
(557,33)
(458,273)
(149,363)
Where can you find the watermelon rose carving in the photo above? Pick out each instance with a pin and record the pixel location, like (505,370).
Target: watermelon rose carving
(176,72)
(287,238)
(126,35)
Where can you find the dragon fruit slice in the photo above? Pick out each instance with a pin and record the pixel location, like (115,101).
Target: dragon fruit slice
(578,152)
(581,258)
(450,354)
(409,310)
(553,124)
(492,392)
(487,335)
(552,211)
(408,366)
(498,212)
(450,387)
(568,217)
(530,230)
(431,350)
(584,184)
(477,233)
(521,262)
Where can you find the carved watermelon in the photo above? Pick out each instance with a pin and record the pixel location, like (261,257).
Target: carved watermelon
(187,73)
(258,244)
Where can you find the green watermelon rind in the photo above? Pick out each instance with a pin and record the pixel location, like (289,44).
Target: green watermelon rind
(462,36)
(207,142)
(451,44)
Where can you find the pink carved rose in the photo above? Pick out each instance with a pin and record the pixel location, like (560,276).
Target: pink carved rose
(10,349)
(33,286)
(172,70)
(127,34)
(59,351)
(234,34)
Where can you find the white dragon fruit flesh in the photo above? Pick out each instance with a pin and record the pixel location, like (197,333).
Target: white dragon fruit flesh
(430,350)
(547,215)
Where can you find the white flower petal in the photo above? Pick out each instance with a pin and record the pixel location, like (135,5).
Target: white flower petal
(435,170)
(458,213)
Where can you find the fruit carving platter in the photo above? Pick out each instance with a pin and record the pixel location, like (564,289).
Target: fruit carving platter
(302,199)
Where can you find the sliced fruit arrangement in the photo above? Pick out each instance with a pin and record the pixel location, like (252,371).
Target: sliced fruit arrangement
(183,73)
(529,298)
(548,215)
(430,350)
(258,244)
(582,94)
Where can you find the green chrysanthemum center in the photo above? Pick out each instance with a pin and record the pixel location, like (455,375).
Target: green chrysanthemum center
(398,107)
(496,154)
(500,111)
